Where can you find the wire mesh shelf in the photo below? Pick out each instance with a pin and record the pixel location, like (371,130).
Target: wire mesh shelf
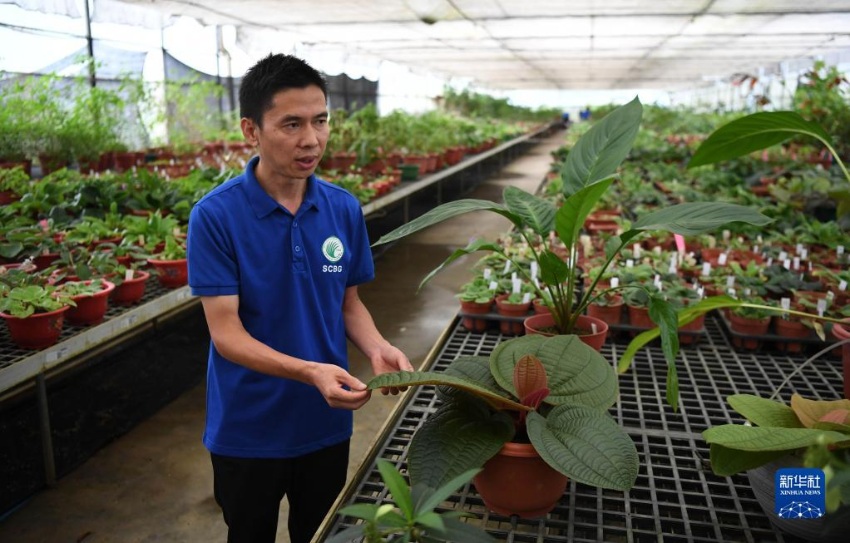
(677,498)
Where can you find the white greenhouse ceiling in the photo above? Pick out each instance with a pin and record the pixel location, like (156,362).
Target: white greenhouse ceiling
(546,44)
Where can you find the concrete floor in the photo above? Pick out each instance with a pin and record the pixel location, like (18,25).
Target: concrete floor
(154,484)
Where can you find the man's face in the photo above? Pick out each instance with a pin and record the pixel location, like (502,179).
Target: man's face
(294,133)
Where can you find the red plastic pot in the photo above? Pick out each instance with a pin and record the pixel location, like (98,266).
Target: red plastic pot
(171,273)
(132,290)
(92,308)
(37,331)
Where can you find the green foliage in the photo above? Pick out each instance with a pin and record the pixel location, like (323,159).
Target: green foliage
(23,301)
(487,406)
(818,428)
(414,515)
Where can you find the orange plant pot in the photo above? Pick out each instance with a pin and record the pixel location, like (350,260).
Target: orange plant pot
(538,324)
(518,482)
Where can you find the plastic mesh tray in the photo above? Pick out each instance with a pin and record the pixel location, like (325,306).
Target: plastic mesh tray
(676,498)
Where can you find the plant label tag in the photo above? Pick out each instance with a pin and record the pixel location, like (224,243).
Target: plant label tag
(516,285)
(796,263)
(534,269)
(787,264)
(128,274)
(701,291)
(636,250)
(756,249)
(821,307)
(785,304)
(593,327)
(630,263)
(487,273)
(839,250)
(804,254)
(799,248)
(721,259)
(770,262)
(842,286)
(799,493)
(526,297)
(494,285)
(536,282)
(783,255)
(747,291)
(513,276)
(730,281)
(507,267)
(731,292)
(615,282)
(706,269)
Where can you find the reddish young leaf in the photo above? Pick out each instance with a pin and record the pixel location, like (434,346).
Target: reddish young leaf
(529,376)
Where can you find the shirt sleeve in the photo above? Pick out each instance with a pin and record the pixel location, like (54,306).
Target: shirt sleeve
(213,269)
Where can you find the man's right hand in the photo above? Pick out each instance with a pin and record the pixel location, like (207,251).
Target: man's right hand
(339,388)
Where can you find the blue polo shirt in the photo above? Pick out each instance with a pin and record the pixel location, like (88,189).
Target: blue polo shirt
(290,273)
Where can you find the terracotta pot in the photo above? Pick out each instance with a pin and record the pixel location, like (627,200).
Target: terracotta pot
(791,329)
(750,328)
(639,317)
(841,332)
(44,260)
(540,308)
(511,328)
(132,290)
(695,325)
(518,482)
(91,309)
(537,324)
(171,273)
(611,314)
(37,331)
(470,323)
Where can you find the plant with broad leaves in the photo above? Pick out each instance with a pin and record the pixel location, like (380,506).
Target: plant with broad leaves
(414,517)
(24,301)
(551,392)
(587,174)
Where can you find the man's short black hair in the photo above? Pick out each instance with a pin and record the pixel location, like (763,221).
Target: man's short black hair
(271,75)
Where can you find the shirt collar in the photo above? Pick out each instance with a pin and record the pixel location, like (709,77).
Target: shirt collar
(263,204)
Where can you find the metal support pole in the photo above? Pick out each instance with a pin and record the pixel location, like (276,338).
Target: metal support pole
(44,427)
(90,44)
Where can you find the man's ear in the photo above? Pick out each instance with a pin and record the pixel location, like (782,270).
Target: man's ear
(250,131)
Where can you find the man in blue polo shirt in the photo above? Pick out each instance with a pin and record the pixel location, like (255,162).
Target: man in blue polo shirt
(276,255)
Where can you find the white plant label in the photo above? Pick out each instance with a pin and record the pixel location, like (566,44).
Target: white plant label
(513,276)
(516,285)
(488,273)
(821,307)
(796,263)
(494,285)
(526,297)
(636,250)
(615,282)
(128,274)
(730,281)
(706,269)
(839,250)
(804,254)
(787,264)
(731,292)
(630,263)
(783,255)
(842,286)
(593,327)
(507,267)
(721,259)
(534,269)
(785,303)
(756,249)
(747,291)
(770,262)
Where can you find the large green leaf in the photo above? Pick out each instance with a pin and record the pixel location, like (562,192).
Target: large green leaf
(475,369)
(664,315)
(461,435)
(577,373)
(569,220)
(697,217)
(757,438)
(444,212)
(763,412)
(726,461)
(753,133)
(601,150)
(553,269)
(417,378)
(586,445)
(433,498)
(537,213)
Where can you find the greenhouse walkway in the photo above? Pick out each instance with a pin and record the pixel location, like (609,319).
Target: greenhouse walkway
(155,482)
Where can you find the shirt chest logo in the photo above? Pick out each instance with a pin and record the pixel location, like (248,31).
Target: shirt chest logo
(333,249)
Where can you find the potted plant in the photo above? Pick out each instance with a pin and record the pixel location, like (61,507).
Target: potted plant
(414,518)
(170,263)
(513,304)
(811,433)
(91,300)
(476,298)
(587,174)
(538,404)
(34,314)
(14,183)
